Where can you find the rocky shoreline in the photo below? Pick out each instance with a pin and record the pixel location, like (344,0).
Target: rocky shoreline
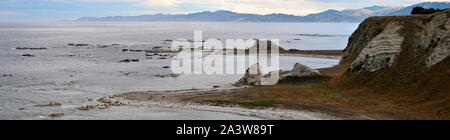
(178,100)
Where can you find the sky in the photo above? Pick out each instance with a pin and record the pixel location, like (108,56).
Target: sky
(54,10)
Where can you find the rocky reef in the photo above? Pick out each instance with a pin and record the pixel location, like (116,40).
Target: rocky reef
(56,115)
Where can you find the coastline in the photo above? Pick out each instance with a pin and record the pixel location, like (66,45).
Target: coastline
(311,55)
(182,99)
(185,99)
(290,99)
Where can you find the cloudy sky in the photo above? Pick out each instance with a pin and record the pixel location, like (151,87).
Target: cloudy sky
(49,10)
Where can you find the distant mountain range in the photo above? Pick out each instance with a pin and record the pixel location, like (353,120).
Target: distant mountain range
(348,15)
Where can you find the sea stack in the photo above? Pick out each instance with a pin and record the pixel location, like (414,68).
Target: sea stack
(252,77)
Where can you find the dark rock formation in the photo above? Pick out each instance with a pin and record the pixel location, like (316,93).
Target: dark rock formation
(28,55)
(167,75)
(25,48)
(51,104)
(56,115)
(129,60)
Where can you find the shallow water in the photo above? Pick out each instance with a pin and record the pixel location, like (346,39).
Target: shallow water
(73,75)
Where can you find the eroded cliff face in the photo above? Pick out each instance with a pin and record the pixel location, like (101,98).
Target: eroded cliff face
(378,41)
(438,39)
(405,58)
(381,51)
(400,54)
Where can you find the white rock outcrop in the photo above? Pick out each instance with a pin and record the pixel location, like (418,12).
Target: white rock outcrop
(301,70)
(252,77)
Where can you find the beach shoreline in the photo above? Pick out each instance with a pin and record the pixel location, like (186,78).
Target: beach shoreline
(182,99)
